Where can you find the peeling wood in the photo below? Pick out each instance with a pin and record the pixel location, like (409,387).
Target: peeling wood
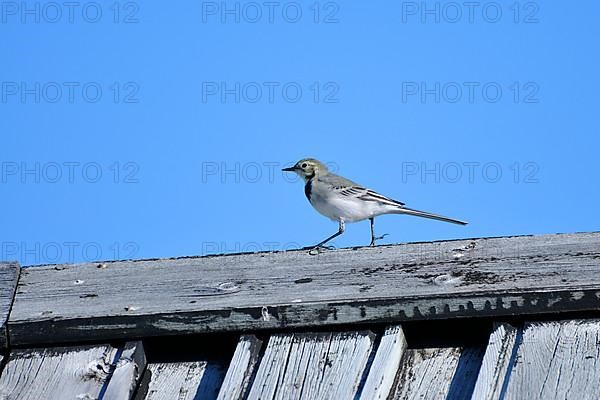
(385,365)
(181,380)
(9,275)
(57,373)
(385,284)
(556,360)
(241,368)
(496,362)
(315,366)
(437,373)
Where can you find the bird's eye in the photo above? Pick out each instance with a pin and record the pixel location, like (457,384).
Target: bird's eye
(304,165)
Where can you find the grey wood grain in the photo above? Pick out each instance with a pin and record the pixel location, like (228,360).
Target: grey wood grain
(437,373)
(317,366)
(465,377)
(127,373)
(191,380)
(9,275)
(241,368)
(557,360)
(496,363)
(385,365)
(57,373)
(462,278)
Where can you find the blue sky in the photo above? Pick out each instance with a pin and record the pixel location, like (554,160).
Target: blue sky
(156,130)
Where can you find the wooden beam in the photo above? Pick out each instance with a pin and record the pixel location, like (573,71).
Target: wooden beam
(385,365)
(127,373)
(496,363)
(312,366)
(437,373)
(386,284)
(241,368)
(187,380)
(9,275)
(81,372)
(556,360)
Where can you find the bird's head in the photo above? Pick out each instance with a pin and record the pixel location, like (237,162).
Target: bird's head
(307,168)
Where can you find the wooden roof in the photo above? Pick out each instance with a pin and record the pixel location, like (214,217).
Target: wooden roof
(489,318)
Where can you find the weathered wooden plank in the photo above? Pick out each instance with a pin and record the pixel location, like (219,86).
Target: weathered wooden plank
(312,366)
(57,373)
(385,365)
(272,367)
(496,362)
(181,380)
(426,373)
(556,360)
(463,278)
(437,373)
(9,275)
(127,373)
(465,377)
(241,368)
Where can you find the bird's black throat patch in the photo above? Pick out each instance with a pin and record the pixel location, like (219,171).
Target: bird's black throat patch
(308,188)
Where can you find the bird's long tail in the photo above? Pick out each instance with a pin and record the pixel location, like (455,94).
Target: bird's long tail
(410,211)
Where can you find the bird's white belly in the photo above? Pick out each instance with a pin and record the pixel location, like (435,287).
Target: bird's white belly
(346,208)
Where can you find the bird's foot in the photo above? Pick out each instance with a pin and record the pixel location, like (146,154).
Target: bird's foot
(314,250)
(376,238)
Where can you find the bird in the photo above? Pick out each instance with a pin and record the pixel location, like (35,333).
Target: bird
(342,200)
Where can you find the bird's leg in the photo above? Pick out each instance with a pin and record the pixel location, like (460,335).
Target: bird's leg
(373,237)
(341,230)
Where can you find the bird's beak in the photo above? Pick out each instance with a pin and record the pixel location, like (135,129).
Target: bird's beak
(289,169)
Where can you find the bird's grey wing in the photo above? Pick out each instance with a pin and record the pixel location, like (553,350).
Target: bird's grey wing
(334,180)
(347,188)
(368,195)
